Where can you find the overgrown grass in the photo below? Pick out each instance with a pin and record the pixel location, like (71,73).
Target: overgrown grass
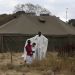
(52,62)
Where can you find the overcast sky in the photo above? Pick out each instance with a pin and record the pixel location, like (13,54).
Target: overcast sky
(56,7)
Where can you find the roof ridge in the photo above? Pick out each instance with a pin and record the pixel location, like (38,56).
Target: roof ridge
(69,30)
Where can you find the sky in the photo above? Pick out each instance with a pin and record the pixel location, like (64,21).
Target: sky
(56,7)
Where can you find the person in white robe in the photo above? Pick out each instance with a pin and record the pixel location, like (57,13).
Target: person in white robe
(41,43)
(41,46)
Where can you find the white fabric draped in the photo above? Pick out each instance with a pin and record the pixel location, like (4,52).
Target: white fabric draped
(40,48)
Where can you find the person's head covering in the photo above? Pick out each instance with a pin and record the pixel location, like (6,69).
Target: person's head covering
(39,33)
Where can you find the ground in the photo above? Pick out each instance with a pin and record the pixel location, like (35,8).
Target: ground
(52,65)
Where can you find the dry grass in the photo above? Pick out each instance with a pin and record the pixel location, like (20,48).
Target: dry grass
(49,66)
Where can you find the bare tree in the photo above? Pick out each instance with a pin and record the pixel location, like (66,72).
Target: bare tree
(30,8)
(19,7)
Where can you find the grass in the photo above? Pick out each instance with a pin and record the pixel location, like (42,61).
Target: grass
(52,64)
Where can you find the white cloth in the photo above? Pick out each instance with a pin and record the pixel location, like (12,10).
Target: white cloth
(28,59)
(34,54)
(41,43)
(41,47)
(24,54)
(31,39)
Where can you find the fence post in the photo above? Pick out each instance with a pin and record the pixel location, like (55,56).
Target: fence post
(70,45)
(2,44)
(11,56)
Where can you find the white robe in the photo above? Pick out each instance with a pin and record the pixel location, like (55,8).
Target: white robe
(34,54)
(25,53)
(41,47)
(29,59)
(41,43)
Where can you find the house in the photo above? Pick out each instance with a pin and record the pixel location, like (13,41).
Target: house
(14,33)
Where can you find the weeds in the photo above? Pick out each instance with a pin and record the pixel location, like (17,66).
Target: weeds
(52,64)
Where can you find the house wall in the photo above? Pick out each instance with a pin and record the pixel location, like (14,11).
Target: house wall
(16,42)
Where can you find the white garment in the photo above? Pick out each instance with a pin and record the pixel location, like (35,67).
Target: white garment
(41,43)
(34,54)
(41,46)
(31,39)
(24,54)
(28,59)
